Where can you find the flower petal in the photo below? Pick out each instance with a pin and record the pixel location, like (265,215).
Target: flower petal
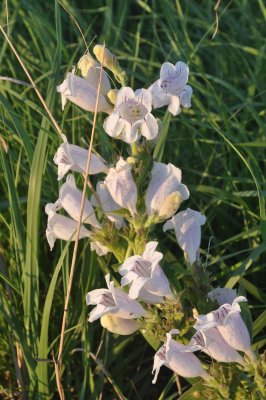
(165,180)
(122,187)
(185,96)
(72,157)
(187,225)
(149,128)
(99,311)
(94,296)
(159,97)
(174,105)
(144,97)
(167,70)
(124,94)
(70,199)
(61,227)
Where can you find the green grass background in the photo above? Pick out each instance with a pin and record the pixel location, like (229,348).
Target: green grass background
(219,144)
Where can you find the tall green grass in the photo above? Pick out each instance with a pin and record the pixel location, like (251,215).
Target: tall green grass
(219,144)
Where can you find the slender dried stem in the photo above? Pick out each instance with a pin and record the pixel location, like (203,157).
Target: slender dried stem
(57,127)
(74,257)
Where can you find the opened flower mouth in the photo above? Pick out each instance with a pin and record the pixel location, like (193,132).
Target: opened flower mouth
(133,111)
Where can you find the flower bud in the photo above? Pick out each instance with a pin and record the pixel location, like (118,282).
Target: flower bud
(109,60)
(119,325)
(170,205)
(91,71)
(112,95)
(132,160)
(85,63)
(105,57)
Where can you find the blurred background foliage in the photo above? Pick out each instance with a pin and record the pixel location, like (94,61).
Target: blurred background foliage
(219,144)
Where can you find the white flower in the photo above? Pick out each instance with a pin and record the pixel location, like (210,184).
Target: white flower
(212,343)
(165,191)
(100,249)
(108,204)
(91,71)
(144,272)
(132,114)
(115,301)
(120,326)
(230,324)
(82,93)
(171,89)
(72,157)
(61,227)
(223,295)
(70,199)
(121,186)
(187,226)
(178,358)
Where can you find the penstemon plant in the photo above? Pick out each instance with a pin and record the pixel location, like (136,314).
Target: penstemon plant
(132,199)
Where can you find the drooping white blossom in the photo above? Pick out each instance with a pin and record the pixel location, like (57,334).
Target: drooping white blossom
(171,89)
(165,191)
(121,186)
(91,71)
(82,93)
(132,116)
(70,199)
(187,226)
(120,326)
(212,343)
(107,204)
(222,295)
(74,158)
(61,227)
(179,358)
(114,301)
(144,272)
(228,321)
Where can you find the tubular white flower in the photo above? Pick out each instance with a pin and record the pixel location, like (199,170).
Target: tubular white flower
(108,204)
(187,226)
(171,89)
(144,272)
(223,295)
(100,249)
(165,191)
(212,343)
(121,186)
(91,71)
(115,301)
(80,92)
(61,227)
(120,326)
(132,114)
(70,199)
(72,157)
(178,358)
(230,324)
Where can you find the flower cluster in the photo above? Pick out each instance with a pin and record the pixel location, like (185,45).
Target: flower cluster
(129,200)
